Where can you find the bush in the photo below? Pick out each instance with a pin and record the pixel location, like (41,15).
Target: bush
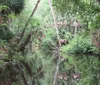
(5,33)
(15,5)
(87,66)
(80,45)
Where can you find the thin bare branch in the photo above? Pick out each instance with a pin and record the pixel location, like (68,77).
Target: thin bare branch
(58,37)
(54,18)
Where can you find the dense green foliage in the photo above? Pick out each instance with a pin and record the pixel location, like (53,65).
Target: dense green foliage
(86,66)
(14,5)
(80,45)
(6,9)
(5,34)
(31,52)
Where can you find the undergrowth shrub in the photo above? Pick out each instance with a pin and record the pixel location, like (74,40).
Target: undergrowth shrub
(5,33)
(49,42)
(96,38)
(80,44)
(85,65)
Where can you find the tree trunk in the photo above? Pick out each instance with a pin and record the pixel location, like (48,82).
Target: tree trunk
(35,8)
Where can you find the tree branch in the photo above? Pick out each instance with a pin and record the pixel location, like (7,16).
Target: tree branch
(58,37)
(23,45)
(54,18)
(57,70)
(35,8)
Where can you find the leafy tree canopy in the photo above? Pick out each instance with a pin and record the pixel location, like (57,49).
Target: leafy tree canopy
(89,6)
